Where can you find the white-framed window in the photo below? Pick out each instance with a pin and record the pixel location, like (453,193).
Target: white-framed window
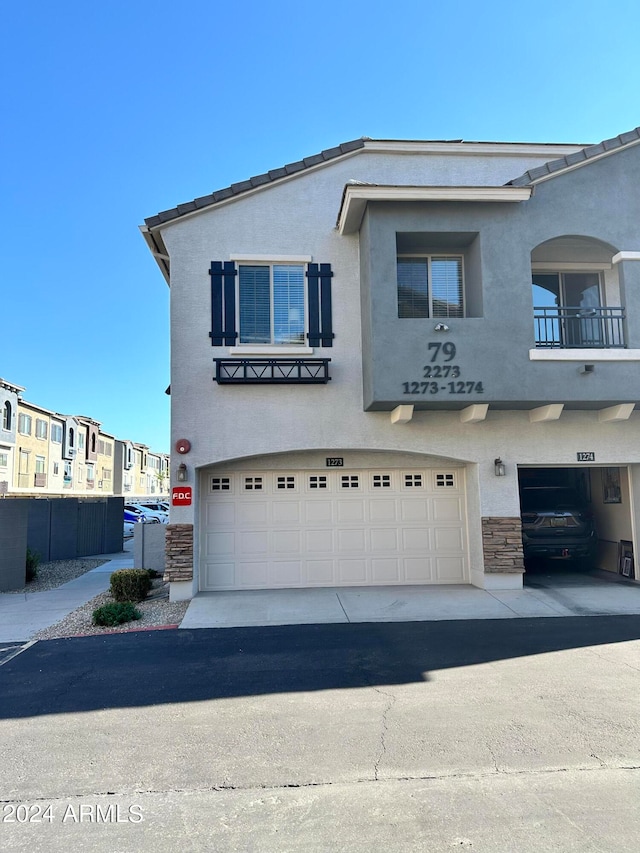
(41,463)
(90,474)
(349,481)
(318,481)
(56,433)
(6,415)
(253,484)
(80,473)
(271,304)
(445,480)
(220,484)
(106,474)
(24,424)
(381,481)
(430,286)
(80,440)
(285,482)
(413,481)
(56,469)
(4,459)
(41,428)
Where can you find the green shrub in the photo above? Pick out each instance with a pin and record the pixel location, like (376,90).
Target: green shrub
(130,584)
(115,613)
(31,565)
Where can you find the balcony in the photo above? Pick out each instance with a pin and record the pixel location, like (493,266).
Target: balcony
(575,328)
(40,480)
(263,371)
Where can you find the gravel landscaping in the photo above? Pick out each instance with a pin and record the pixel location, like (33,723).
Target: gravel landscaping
(53,574)
(157,611)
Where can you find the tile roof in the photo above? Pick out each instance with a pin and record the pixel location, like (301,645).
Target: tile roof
(579,158)
(256,181)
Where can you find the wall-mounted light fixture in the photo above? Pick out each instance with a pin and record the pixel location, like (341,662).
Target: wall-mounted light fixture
(440,327)
(181,473)
(587,368)
(499,468)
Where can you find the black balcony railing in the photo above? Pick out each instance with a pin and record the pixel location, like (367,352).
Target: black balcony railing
(569,328)
(282,371)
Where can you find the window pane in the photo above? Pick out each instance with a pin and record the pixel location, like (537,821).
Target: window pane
(288,304)
(446,287)
(413,288)
(255,315)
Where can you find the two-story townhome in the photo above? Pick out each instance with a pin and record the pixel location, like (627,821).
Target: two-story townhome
(374,350)
(9,394)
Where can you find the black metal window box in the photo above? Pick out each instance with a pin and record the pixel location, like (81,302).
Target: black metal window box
(267,371)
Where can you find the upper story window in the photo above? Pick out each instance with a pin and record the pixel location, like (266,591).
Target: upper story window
(41,428)
(576,292)
(24,424)
(258,302)
(6,415)
(430,286)
(271,304)
(56,433)
(80,440)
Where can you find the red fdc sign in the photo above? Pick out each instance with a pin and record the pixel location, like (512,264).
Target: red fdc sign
(181,496)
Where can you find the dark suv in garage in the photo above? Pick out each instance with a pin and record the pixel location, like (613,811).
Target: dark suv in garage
(557,523)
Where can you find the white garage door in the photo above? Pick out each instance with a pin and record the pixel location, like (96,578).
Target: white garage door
(264,530)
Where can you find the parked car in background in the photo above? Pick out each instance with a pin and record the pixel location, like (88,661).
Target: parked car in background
(557,523)
(158,515)
(156,506)
(130,520)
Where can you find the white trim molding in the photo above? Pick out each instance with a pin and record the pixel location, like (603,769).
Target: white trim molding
(625,256)
(584,355)
(356,197)
(271,259)
(272,350)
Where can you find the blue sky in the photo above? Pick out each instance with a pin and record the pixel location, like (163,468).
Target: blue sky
(113,112)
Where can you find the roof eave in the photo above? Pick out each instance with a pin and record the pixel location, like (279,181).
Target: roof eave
(356,197)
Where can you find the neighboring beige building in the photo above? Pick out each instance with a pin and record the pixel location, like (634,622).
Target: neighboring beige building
(45,453)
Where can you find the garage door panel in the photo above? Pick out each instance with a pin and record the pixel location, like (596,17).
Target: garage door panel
(221,575)
(385,570)
(384,539)
(320,572)
(286,542)
(218,544)
(449,569)
(413,510)
(352,571)
(448,539)
(349,511)
(382,511)
(447,509)
(339,528)
(252,573)
(285,512)
(418,569)
(285,573)
(352,539)
(256,542)
(319,541)
(220,513)
(252,512)
(318,511)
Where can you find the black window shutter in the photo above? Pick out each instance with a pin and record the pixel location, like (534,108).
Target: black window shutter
(319,303)
(223,303)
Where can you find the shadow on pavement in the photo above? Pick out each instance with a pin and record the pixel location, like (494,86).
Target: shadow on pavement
(152,668)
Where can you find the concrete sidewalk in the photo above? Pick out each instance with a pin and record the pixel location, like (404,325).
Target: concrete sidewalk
(23,615)
(558,594)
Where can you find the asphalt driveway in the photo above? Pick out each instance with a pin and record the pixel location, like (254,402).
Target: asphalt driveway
(493,735)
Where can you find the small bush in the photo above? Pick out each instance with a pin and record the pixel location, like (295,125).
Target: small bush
(31,565)
(130,584)
(115,613)
(153,574)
